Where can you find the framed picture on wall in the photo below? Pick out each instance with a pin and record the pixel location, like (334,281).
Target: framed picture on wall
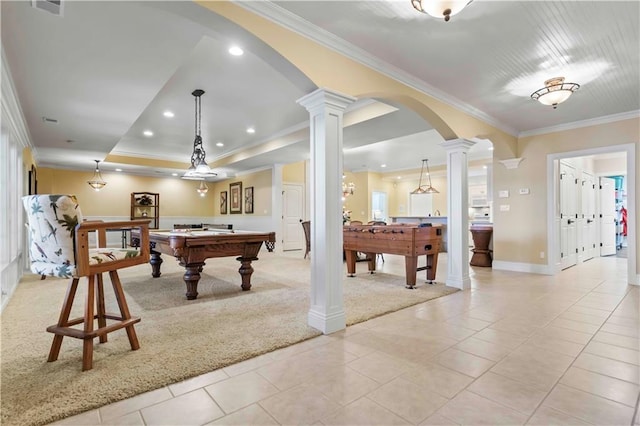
(223,202)
(235,197)
(248,199)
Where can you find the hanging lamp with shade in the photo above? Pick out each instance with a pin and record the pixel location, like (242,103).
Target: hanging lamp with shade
(202,189)
(199,169)
(96,182)
(425,189)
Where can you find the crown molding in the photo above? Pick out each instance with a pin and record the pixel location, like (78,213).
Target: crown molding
(11,109)
(292,22)
(582,123)
(511,163)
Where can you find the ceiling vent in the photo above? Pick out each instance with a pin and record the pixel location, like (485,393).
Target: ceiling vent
(52,6)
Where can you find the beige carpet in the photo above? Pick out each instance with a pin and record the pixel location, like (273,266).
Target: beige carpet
(179,338)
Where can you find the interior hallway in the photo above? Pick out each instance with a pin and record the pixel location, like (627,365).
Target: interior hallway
(515,349)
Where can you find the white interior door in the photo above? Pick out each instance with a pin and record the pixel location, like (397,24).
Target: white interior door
(607,216)
(588,216)
(292,215)
(568,216)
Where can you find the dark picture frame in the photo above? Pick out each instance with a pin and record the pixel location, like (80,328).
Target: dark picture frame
(223,202)
(33,181)
(248,199)
(235,198)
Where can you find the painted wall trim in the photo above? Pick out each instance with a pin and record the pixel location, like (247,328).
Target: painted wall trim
(11,109)
(531,268)
(582,123)
(300,26)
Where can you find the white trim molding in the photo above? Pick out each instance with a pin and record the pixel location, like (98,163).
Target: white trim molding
(511,163)
(582,123)
(531,268)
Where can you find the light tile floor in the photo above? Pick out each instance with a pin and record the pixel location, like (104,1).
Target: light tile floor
(515,349)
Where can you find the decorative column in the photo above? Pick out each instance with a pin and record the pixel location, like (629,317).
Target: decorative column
(458,211)
(276,204)
(326,110)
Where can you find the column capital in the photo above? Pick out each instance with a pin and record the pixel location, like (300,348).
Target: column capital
(457,145)
(322,97)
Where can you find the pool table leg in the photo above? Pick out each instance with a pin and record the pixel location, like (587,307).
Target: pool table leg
(155,261)
(191,279)
(245,271)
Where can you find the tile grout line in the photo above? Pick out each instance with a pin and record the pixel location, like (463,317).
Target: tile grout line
(574,360)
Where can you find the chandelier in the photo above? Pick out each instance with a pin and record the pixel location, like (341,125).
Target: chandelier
(199,168)
(96,181)
(347,188)
(554,92)
(440,8)
(425,189)
(202,189)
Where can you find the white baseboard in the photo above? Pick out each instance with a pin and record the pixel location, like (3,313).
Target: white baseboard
(531,268)
(637,280)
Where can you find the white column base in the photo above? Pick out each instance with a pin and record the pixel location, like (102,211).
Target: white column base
(327,323)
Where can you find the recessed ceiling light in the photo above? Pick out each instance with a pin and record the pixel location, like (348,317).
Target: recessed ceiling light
(219,144)
(118,170)
(399,177)
(383,165)
(147,133)
(174,174)
(251,130)
(236,51)
(168,114)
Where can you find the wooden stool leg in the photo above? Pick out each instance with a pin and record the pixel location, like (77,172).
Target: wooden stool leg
(102,320)
(87,347)
(64,318)
(124,309)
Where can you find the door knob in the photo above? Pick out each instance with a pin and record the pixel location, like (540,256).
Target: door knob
(569,222)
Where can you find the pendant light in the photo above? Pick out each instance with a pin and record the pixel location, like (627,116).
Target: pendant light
(96,181)
(202,189)
(425,189)
(199,168)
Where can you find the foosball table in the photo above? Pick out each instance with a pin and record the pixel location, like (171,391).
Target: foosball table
(410,241)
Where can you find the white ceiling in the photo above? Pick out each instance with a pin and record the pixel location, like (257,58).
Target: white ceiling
(106,71)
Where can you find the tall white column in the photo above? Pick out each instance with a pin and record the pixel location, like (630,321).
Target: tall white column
(326,110)
(276,204)
(458,211)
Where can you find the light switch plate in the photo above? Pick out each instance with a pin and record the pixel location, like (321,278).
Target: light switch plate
(524,191)
(503,194)
(505,207)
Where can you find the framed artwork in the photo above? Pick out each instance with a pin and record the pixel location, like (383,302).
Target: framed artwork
(33,181)
(223,202)
(235,197)
(248,199)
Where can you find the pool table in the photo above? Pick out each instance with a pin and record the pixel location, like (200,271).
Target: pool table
(403,239)
(192,247)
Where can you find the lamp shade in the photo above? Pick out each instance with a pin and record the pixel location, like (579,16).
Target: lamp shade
(96,182)
(440,8)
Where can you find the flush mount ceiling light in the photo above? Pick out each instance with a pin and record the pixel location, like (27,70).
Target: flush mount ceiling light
(199,168)
(554,92)
(96,181)
(425,189)
(440,8)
